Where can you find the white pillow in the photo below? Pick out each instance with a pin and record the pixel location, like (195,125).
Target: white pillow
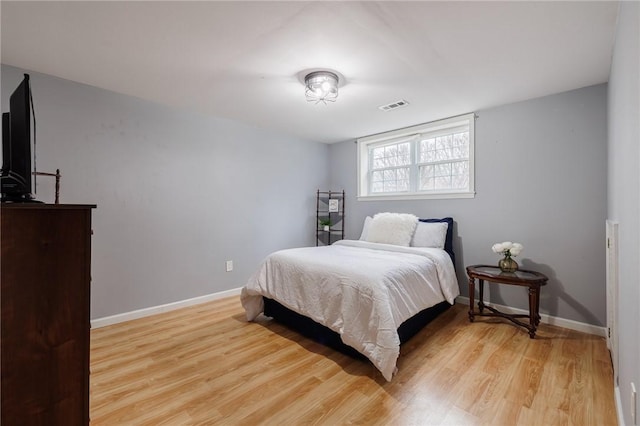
(365,228)
(430,235)
(392,228)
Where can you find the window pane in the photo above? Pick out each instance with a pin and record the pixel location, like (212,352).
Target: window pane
(460,182)
(426,178)
(390,180)
(444,176)
(460,145)
(427,171)
(443,182)
(427,184)
(389,175)
(457,153)
(391,156)
(460,168)
(460,175)
(404,156)
(443,169)
(427,149)
(389,186)
(443,148)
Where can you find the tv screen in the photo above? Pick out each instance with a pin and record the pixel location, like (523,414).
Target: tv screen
(16,146)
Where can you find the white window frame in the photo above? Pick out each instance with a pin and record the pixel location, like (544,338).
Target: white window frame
(414,133)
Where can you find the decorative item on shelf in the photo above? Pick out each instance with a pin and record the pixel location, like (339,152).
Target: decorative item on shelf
(325,224)
(508,250)
(334,205)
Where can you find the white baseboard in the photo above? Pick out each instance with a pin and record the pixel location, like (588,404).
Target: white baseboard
(141,313)
(616,392)
(547,319)
(145,312)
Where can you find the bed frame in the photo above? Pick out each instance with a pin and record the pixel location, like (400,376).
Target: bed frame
(318,332)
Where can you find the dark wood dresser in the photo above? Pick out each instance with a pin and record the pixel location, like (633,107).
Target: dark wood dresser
(45,272)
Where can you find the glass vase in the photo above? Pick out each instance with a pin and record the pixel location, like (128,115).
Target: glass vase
(508,264)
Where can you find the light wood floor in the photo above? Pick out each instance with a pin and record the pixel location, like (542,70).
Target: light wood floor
(207,365)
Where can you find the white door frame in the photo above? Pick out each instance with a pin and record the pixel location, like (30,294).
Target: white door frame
(612,295)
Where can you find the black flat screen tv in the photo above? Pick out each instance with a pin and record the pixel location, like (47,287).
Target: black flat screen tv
(15,180)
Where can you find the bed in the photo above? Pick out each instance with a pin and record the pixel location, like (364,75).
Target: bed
(365,297)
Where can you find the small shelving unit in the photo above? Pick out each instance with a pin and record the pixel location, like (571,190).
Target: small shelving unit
(329,208)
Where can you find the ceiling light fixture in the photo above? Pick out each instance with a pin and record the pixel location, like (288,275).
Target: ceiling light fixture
(321,86)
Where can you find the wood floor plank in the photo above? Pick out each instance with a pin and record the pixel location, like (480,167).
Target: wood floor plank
(207,365)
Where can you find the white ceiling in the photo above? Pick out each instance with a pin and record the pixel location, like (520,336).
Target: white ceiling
(246,60)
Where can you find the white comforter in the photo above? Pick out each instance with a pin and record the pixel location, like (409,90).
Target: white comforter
(363,291)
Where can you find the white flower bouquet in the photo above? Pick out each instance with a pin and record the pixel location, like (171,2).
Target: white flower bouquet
(507,249)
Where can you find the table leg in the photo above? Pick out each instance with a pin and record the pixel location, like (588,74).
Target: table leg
(533,315)
(481,295)
(472,290)
(538,318)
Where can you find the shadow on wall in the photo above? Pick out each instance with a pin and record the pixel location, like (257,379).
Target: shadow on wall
(549,298)
(461,272)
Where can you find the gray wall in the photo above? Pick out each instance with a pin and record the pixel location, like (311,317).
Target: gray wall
(624,191)
(177,193)
(541,181)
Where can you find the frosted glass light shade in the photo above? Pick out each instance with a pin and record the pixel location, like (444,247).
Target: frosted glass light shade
(321,86)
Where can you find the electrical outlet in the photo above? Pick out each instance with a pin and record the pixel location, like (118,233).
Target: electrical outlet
(229,265)
(633,403)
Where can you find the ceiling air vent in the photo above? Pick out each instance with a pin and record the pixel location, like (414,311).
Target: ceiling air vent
(394,105)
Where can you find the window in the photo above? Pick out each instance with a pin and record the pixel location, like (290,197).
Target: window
(433,160)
